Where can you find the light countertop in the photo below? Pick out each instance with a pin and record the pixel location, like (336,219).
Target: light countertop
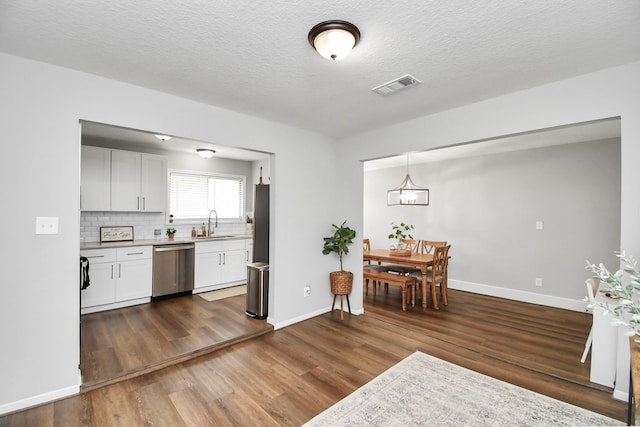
(162,241)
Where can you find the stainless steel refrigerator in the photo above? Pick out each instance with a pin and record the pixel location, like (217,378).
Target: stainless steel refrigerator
(258,270)
(261,224)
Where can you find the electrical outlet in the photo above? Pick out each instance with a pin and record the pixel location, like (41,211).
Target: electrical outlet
(307,291)
(539,282)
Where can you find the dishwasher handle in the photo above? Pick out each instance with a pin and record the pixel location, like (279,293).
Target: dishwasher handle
(168,248)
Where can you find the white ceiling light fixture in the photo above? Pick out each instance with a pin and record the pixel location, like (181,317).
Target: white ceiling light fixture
(205,153)
(334,39)
(408,193)
(163,138)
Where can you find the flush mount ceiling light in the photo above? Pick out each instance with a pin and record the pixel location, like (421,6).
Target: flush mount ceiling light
(205,153)
(334,39)
(163,138)
(408,193)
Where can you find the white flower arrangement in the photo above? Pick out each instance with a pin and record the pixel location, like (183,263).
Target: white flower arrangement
(624,287)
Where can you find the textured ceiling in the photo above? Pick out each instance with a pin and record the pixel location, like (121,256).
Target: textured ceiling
(254,57)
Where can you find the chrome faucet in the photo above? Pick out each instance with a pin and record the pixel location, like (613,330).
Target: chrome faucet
(210,230)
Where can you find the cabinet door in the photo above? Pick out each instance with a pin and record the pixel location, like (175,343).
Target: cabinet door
(134,279)
(125,181)
(234,266)
(95,179)
(207,269)
(102,288)
(154,183)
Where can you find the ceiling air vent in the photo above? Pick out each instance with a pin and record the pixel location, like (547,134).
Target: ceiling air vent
(396,85)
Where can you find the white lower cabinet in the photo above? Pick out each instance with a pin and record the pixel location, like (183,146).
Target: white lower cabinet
(220,264)
(118,277)
(102,289)
(135,273)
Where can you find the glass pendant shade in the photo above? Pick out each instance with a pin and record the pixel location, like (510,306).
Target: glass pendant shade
(408,194)
(334,44)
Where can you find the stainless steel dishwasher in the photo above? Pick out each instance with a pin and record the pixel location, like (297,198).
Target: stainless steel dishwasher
(173,267)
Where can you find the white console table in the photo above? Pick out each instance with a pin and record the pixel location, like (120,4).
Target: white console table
(610,355)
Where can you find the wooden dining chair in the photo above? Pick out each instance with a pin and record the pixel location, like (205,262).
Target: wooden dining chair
(437,274)
(366,246)
(429,245)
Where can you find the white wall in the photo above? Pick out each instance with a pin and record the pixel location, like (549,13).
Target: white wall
(610,93)
(315,182)
(486,207)
(41,106)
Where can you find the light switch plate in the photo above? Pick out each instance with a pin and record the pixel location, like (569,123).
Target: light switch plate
(46,225)
(539,225)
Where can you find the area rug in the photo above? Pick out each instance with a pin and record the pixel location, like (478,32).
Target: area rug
(422,390)
(224,293)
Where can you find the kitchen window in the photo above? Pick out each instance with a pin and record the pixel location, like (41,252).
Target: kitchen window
(192,195)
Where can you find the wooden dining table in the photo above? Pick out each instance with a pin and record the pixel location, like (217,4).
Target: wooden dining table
(421,261)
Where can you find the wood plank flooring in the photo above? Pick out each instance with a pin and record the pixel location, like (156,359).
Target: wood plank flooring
(138,339)
(288,376)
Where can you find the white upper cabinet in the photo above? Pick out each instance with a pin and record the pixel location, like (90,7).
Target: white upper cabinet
(153,183)
(95,170)
(125,181)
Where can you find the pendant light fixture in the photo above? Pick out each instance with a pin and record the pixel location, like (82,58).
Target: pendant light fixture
(408,193)
(205,153)
(334,39)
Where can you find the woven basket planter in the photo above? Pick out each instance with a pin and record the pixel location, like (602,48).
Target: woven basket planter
(341,282)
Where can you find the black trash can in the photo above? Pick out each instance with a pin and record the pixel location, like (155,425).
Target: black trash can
(257,290)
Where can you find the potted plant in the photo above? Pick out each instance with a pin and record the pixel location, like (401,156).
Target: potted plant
(341,281)
(623,286)
(400,233)
(171,232)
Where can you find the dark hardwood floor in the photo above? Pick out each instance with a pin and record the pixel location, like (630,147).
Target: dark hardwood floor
(138,339)
(288,376)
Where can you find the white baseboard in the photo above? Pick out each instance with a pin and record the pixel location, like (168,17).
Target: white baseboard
(309,316)
(112,306)
(39,399)
(218,286)
(621,395)
(517,295)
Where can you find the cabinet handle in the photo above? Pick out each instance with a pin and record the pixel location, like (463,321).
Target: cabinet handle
(247,256)
(135,253)
(224,257)
(119,270)
(144,203)
(96,256)
(111,271)
(138,202)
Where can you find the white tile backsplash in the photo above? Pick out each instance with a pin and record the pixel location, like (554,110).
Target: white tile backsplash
(144,223)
